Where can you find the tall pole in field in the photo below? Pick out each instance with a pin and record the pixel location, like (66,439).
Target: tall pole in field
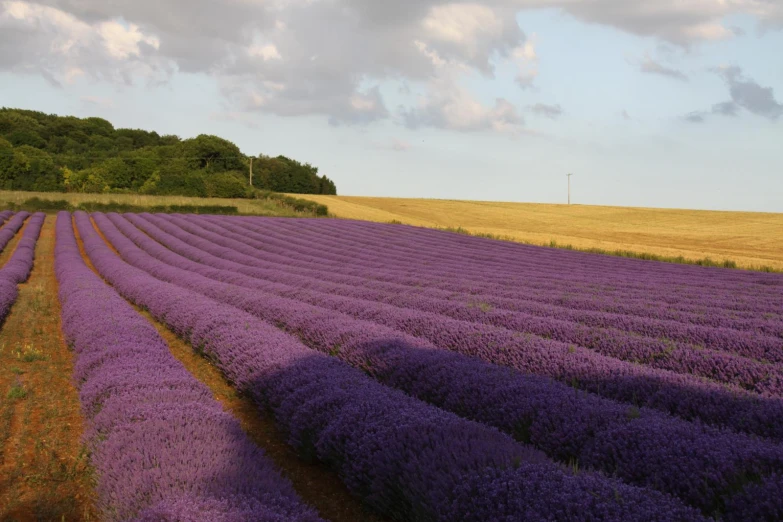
(251,171)
(569,187)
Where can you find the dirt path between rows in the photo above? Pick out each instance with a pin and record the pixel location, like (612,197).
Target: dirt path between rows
(44,472)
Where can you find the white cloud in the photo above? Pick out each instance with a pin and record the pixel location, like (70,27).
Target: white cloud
(303,57)
(462,24)
(266,52)
(450,106)
(708,31)
(122,42)
(60,46)
(526,60)
(433,56)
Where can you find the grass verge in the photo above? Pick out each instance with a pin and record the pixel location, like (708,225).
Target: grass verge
(265,204)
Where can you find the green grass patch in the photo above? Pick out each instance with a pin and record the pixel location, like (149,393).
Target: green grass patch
(16,391)
(296,204)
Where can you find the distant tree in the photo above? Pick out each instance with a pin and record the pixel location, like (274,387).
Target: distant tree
(92,180)
(139,138)
(327,186)
(177,179)
(11,121)
(41,151)
(98,127)
(169,139)
(226,185)
(26,137)
(13,165)
(212,153)
(118,173)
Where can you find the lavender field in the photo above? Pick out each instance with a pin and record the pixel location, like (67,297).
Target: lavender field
(439,377)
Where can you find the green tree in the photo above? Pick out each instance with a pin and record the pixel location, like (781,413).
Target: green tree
(26,137)
(92,180)
(226,185)
(177,179)
(118,173)
(41,151)
(98,127)
(213,154)
(13,165)
(41,173)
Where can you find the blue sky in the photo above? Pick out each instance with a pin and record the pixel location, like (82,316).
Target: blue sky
(487,100)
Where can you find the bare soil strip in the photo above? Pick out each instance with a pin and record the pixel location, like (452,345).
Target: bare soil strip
(8,251)
(318,486)
(44,471)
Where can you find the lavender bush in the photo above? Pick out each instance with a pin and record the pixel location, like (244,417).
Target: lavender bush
(18,267)
(404,458)
(679,394)
(10,229)
(162,446)
(704,468)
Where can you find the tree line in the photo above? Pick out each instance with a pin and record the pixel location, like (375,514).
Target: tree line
(50,153)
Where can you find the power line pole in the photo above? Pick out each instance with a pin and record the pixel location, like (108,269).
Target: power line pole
(569,187)
(251,171)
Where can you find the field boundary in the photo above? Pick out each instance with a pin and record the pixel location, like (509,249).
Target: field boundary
(265,203)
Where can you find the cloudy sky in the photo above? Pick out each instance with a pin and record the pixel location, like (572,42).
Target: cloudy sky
(665,103)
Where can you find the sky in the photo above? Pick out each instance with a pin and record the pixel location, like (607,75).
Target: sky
(671,103)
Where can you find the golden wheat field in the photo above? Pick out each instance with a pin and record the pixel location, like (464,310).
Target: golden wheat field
(751,239)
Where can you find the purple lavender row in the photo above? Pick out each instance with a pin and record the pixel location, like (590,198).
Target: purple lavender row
(729,369)
(505,279)
(509,256)
(634,444)
(743,343)
(715,303)
(5,215)
(519,270)
(162,446)
(682,395)
(720,324)
(603,332)
(638,284)
(401,456)
(10,229)
(17,269)
(521,289)
(532,275)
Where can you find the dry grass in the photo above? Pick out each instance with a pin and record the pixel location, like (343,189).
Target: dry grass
(260,207)
(751,239)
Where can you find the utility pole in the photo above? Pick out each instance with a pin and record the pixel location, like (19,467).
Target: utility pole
(569,187)
(251,171)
